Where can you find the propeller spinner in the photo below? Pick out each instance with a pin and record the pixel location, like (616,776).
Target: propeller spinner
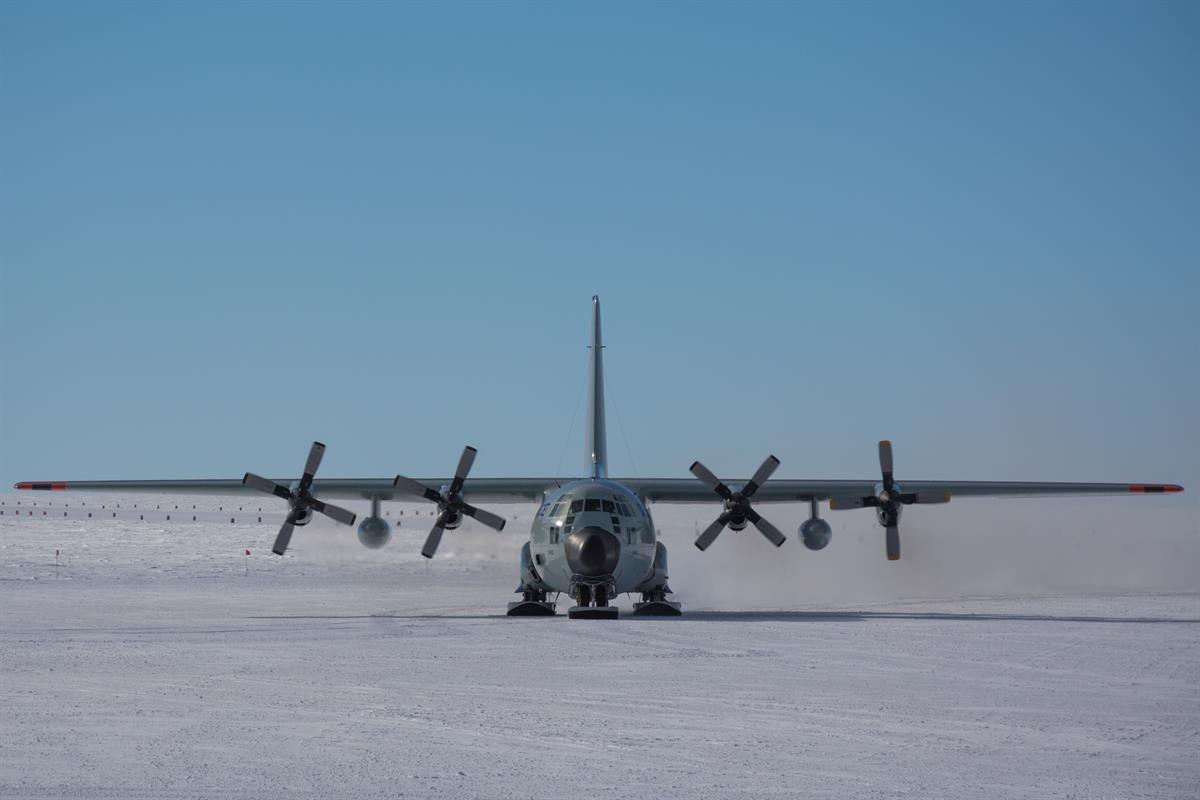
(737,504)
(450,503)
(889,501)
(300,499)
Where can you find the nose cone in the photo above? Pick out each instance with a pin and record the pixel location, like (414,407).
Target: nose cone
(592,552)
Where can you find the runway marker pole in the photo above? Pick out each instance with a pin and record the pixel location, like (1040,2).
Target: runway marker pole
(247,562)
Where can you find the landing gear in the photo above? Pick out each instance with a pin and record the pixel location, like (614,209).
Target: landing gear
(533,591)
(593,602)
(533,603)
(654,599)
(655,604)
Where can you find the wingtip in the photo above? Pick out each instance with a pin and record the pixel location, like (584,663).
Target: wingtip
(1155,488)
(40,486)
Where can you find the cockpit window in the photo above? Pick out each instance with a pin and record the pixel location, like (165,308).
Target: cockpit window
(576,506)
(608,506)
(554,511)
(591,504)
(624,509)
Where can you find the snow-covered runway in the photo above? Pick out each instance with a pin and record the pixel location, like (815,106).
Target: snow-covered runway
(334,673)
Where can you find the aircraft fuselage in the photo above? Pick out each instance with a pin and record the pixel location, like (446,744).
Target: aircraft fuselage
(587,509)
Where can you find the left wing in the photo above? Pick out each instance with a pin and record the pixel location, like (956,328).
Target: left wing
(783,490)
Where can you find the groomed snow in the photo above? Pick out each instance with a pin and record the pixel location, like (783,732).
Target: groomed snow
(149,664)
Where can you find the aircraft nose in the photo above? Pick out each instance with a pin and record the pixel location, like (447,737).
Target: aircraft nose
(592,552)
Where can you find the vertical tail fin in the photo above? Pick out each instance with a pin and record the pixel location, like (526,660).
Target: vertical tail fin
(597,441)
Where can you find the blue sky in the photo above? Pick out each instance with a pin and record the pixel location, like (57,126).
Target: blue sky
(229,229)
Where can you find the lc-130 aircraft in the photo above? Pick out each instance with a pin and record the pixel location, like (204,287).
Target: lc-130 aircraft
(593,537)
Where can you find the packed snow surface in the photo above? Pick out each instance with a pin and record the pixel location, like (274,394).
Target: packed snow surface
(157,660)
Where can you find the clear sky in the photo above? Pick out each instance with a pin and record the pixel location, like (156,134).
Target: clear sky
(229,229)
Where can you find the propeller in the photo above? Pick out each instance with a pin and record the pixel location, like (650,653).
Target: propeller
(889,501)
(737,504)
(299,498)
(450,502)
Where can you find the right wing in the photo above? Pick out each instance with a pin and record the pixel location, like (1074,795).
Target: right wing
(483,490)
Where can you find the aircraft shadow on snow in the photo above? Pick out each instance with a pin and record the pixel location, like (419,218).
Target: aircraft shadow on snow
(795,616)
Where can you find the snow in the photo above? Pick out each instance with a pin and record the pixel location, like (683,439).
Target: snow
(150,664)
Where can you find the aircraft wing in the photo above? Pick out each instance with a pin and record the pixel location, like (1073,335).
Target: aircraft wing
(783,490)
(661,490)
(481,490)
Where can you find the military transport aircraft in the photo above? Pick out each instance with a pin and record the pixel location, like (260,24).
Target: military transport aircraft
(593,537)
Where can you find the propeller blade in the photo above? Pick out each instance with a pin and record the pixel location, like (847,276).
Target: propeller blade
(924,498)
(433,539)
(315,454)
(465,461)
(409,486)
(285,536)
(885,464)
(712,532)
(464,466)
(773,534)
(336,513)
(711,481)
(893,543)
(261,484)
(764,471)
(486,517)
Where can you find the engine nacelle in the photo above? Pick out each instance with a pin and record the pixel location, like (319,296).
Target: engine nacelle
(816,533)
(303,518)
(374,532)
(454,521)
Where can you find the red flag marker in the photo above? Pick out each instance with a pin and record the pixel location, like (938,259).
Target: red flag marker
(247,552)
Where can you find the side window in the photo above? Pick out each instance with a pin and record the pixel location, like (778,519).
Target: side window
(624,509)
(554,535)
(557,507)
(576,506)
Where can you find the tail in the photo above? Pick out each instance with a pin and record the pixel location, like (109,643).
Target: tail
(597,441)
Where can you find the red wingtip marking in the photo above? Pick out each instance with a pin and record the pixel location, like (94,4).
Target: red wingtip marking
(57,486)
(1155,488)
